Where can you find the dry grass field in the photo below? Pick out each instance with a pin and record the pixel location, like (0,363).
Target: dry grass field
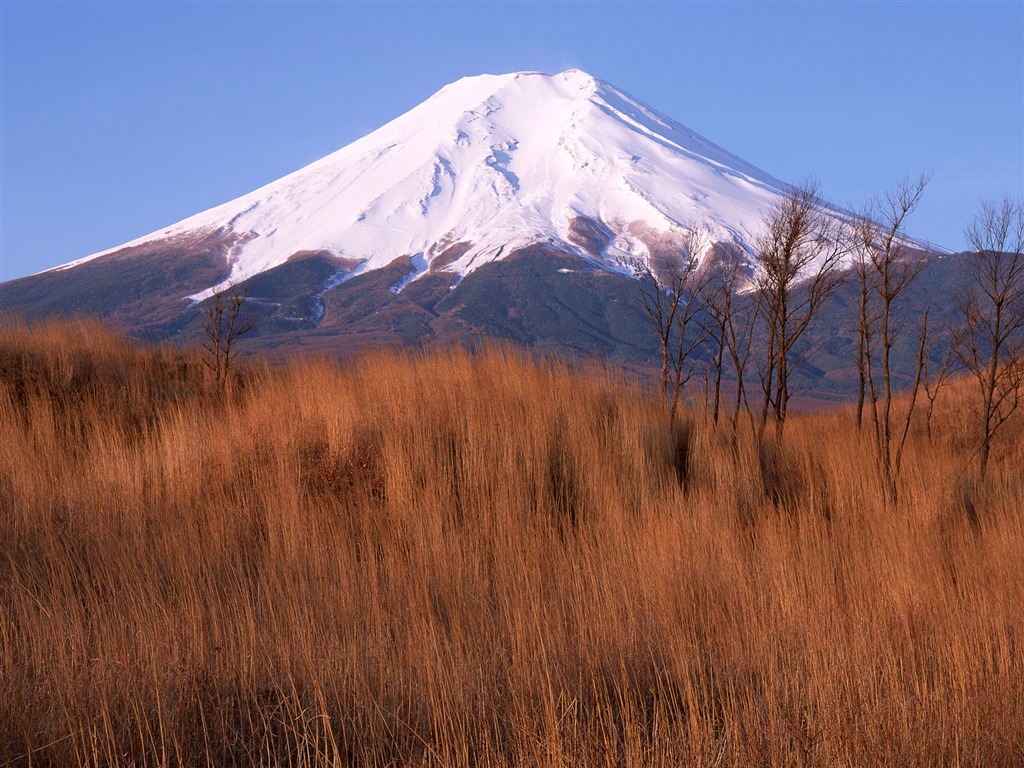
(454,559)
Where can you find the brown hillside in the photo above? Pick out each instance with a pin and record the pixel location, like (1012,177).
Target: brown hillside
(451,559)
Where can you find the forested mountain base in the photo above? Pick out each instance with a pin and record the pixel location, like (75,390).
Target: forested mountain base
(480,559)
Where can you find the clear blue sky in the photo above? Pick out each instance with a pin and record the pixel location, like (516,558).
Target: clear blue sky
(121,118)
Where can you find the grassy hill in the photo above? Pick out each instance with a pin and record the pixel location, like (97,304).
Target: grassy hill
(454,558)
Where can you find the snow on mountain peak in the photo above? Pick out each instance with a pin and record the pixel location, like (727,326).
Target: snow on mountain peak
(495,162)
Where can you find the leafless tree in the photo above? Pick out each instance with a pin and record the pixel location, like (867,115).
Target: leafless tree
(729,327)
(718,303)
(672,304)
(935,377)
(991,345)
(887,265)
(797,267)
(866,319)
(660,307)
(222,325)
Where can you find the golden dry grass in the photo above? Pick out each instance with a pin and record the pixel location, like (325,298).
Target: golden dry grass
(450,559)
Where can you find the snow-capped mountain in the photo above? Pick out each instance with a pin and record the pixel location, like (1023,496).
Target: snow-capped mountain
(488,165)
(518,207)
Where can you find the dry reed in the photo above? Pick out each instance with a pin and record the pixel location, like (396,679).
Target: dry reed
(449,559)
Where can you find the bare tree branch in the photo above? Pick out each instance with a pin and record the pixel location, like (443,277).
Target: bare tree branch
(887,264)
(222,325)
(798,259)
(671,301)
(730,326)
(991,344)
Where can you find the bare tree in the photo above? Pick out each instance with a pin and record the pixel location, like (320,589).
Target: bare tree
(797,268)
(729,327)
(991,345)
(740,336)
(866,319)
(718,303)
(935,377)
(223,324)
(659,305)
(887,265)
(672,305)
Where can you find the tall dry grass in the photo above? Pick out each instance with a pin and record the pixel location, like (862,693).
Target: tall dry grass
(449,559)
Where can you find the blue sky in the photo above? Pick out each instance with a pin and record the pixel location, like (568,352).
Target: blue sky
(121,118)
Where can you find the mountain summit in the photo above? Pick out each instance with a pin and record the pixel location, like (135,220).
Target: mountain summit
(487,165)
